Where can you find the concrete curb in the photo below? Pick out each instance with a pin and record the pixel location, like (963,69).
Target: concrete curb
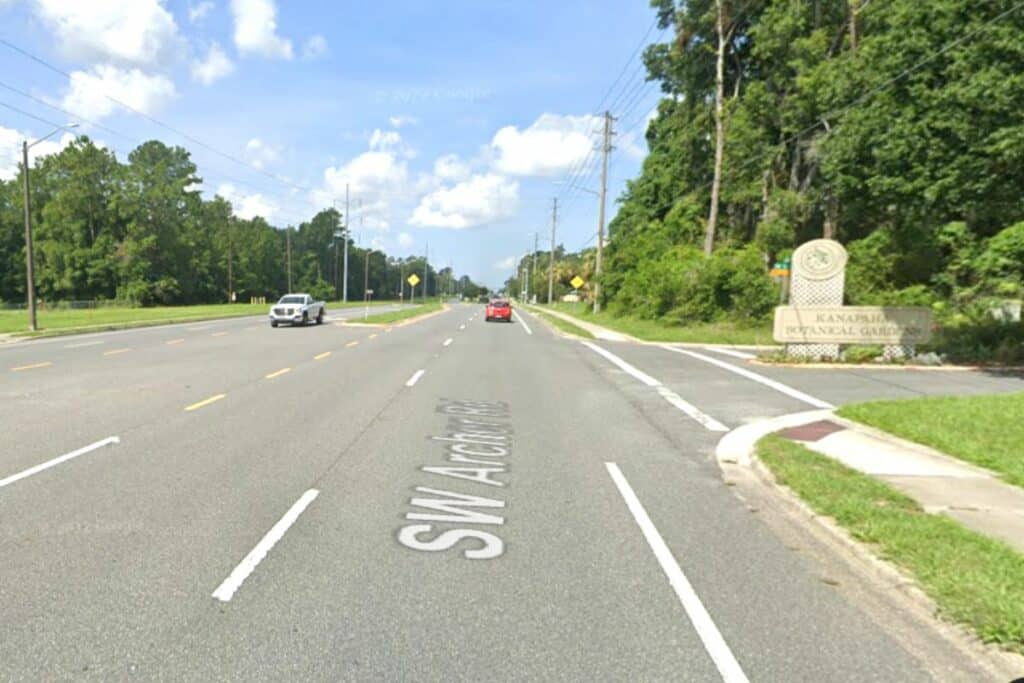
(736,456)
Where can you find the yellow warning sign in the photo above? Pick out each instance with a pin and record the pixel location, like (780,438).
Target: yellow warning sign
(413,279)
(577,282)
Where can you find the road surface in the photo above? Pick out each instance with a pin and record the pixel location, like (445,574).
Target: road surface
(445,500)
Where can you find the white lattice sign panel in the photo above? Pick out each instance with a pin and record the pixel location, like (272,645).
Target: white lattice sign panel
(818,279)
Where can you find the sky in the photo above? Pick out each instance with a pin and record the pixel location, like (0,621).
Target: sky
(453,123)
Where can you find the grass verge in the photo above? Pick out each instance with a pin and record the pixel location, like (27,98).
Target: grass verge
(659,331)
(974,580)
(984,430)
(76,320)
(403,314)
(563,325)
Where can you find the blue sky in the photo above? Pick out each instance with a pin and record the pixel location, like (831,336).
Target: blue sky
(450,121)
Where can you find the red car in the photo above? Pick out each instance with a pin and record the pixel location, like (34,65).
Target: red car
(499,309)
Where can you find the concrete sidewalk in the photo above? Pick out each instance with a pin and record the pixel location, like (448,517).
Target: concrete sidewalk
(971,495)
(596,330)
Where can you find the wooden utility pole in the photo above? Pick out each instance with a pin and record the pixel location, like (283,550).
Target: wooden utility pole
(716,183)
(606,148)
(551,256)
(288,251)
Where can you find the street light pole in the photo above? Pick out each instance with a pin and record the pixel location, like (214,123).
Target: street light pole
(30,278)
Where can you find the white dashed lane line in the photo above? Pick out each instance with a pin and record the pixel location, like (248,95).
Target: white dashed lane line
(58,460)
(227,589)
(415,378)
(447,342)
(710,636)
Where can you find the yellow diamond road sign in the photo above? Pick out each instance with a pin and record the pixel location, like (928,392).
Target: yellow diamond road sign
(413,279)
(576,282)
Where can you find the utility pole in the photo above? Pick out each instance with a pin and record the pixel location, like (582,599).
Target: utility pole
(366,285)
(288,251)
(344,284)
(30,277)
(536,237)
(231,280)
(426,262)
(551,256)
(606,147)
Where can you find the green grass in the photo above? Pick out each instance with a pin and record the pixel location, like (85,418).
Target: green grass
(984,430)
(656,330)
(973,579)
(403,314)
(563,325)
(72,320)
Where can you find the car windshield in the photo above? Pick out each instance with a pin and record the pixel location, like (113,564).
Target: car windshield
(292,300)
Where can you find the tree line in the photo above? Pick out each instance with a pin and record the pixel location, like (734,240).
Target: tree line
(893,126)
(141,232)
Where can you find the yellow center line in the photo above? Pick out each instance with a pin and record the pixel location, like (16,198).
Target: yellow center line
(32,367)
(218,334)
(115,352)
(389,329)
(176,341)
(321,356)
(351,344)
(206,402)
(278,373)
(373,336)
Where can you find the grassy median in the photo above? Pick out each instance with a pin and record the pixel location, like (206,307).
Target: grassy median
(984,430)
(401,314)
(973,579)
(660,331)
(53,322)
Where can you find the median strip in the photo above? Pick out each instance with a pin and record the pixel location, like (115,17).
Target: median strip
(278,373)
(34,366)
(227,589)
(203,403)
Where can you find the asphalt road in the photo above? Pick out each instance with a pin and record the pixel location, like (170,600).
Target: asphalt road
(445,500)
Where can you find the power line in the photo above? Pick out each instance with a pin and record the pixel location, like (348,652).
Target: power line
(157,122)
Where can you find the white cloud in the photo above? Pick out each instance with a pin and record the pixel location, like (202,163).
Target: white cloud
(247,206)
(384,139)
(10,149)
(315,48)
(126,32)
(506,263)
(551,145)
(261,153)
(402,120)
(215,67)
(451,167)
(256,29)
(405,240)
(87,90)
(198,12)
(480,200)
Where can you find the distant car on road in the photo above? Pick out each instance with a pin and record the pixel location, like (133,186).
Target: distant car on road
(296,309)
(499,309)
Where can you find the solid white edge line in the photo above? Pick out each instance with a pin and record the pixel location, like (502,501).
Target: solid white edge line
(526,328)
(623,365)
(58,460)
(415,378)
(703,624)
(447,342)
(731,352)
(676,400)
(761,379)
(234,581)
